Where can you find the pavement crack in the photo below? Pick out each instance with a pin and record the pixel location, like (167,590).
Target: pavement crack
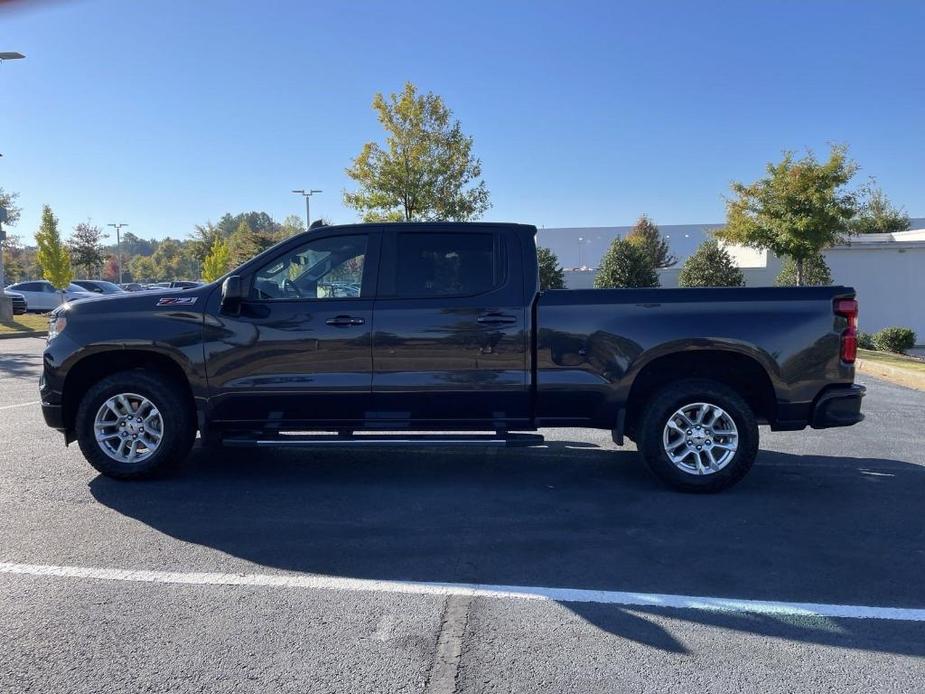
(445,668)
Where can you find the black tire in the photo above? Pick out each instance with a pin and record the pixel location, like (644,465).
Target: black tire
(665,403)
(179,423)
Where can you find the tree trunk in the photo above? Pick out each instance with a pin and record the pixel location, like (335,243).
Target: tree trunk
(799,264)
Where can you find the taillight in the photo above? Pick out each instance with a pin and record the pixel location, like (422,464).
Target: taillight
(848,308)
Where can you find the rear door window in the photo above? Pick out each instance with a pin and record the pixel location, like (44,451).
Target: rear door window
(445,264)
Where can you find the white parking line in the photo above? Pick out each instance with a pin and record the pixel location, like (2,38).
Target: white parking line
(22,404)
(606,597)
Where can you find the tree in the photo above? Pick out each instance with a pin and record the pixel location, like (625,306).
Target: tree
(14,266)
(816,273)
(710,266)
(625,264)
(8,203)
(170,262)
(111,269)
(217,262)
(86,248)
(52,255)
(551,274)
(798,209)
(425,170)
(647,236)
(9,215)
(291,226)
(133,245)
(259,222)
(242,244)
(142,269)
(203,239)
(876,214)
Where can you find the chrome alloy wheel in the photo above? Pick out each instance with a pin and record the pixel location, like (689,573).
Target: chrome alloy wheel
(700,438)
(129,428)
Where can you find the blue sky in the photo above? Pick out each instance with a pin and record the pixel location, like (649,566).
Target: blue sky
(167,113)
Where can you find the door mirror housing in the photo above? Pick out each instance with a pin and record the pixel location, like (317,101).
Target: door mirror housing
(232,292)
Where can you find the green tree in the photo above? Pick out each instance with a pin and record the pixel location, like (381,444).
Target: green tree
(217,262)
(134,245)
(816,273)
(203,239)
(142,269)
(876,214)
(86,248)
(798,209)
(625,264)
(647,236)
(291,226)
(52,254)
(170,263)
(552,276)
(9,215)
(710,266)
(242,244)
(14,266)
(425,170)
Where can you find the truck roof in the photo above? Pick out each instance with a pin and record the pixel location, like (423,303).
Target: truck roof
(428,226)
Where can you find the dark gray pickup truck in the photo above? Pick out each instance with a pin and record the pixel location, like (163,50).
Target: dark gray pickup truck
(358,335)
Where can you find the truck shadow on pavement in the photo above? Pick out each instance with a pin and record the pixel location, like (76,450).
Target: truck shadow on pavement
(20,364)
(818,529)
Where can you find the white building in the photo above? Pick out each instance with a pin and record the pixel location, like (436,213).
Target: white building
(887,270)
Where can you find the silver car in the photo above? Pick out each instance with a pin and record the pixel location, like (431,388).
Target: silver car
(40,295)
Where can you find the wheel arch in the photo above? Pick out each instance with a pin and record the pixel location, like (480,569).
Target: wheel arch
(742,371)
(98,365)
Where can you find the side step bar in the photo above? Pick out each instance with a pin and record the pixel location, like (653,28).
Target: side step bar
(377,439)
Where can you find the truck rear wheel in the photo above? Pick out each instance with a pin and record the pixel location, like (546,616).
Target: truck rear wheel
(698,435)
(132,425)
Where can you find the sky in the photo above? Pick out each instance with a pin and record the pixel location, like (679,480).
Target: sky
(167,113)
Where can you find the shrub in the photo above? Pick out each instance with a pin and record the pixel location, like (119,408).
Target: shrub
(710,266)
(866,341)
(896,340)
(625,265)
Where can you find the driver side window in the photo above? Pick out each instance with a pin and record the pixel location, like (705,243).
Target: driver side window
(328,268)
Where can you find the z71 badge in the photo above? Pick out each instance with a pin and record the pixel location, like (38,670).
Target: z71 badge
(177,300)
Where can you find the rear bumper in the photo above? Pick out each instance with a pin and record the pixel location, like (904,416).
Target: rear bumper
(838,407)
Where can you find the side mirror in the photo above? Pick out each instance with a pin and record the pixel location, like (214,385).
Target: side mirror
(232,292)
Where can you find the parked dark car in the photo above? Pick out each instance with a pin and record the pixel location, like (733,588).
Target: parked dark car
(99,286)
(394,328)
(132,287)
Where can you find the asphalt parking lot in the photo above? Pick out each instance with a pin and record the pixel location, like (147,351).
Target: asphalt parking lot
(120,587)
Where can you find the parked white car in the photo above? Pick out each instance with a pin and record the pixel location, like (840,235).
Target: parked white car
(40,295)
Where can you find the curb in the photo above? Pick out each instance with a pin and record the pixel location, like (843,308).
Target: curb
(30,333)
(893,374)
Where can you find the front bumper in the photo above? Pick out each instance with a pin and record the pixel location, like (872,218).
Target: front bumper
(838,407)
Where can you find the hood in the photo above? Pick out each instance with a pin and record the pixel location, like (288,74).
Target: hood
(130,302)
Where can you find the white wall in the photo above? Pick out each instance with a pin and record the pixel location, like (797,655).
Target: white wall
(890,283)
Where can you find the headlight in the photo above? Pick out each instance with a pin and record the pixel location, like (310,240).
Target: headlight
(56,324)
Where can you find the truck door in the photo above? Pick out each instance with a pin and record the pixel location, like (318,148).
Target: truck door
(450,333)
(299,349)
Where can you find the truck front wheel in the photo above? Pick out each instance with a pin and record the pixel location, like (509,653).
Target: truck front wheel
(698,435)
(132,425)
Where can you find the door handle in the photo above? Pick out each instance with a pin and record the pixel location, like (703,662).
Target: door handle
(345,321)
(495,318)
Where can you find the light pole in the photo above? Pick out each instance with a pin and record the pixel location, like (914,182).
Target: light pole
(6,309)
(118,228)
(580,241)
(307,194)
